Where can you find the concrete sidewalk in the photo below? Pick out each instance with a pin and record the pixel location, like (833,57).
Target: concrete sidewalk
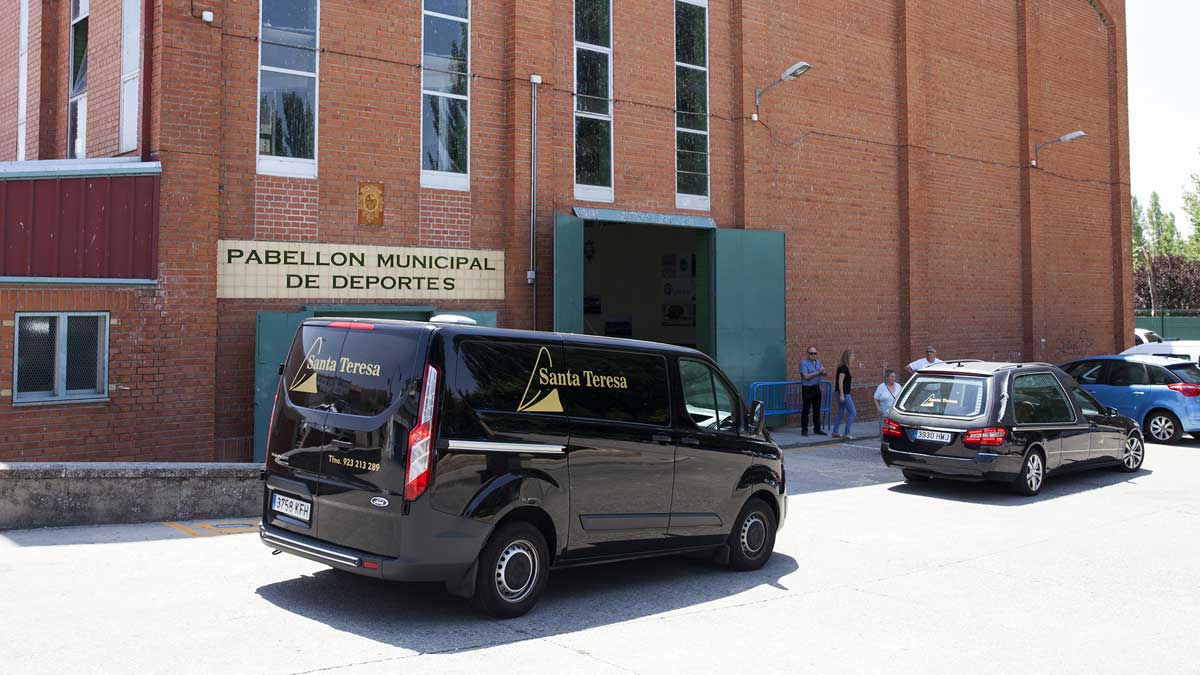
(789,436)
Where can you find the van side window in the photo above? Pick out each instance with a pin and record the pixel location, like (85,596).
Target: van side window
(615,386)
(1038,399)
(710,404)
(509,376)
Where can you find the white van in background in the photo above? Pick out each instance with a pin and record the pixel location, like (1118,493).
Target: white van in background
(1185,350)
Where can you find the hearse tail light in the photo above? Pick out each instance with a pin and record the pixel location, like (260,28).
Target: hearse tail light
(355,325)
(990,437)
(420,439)
(891,429)
(1188,390)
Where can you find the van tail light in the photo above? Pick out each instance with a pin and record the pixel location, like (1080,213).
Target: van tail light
(990,437)
(355,325)
(420,439)
(1188,390)
(891,429)
(271,430)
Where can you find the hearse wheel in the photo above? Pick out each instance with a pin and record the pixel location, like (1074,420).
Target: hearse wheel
(1033,475)
(1135,452)
(512,571)
(753,537)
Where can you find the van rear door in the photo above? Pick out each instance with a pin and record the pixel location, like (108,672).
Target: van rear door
(373,391)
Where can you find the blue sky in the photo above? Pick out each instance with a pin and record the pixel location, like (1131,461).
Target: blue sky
(1164,99)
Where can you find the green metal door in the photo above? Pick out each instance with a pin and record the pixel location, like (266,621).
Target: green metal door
(273,338)
(568,273)
(749,305)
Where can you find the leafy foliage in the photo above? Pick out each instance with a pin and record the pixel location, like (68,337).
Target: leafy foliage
(1176,283)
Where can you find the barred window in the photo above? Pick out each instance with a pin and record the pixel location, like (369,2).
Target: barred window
(61,357)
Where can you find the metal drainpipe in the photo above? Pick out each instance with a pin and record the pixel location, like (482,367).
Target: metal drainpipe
(531,275)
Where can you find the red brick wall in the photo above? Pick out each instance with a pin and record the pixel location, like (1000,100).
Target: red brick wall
(897,168)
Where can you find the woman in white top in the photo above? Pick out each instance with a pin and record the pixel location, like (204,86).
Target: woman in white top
(885,394)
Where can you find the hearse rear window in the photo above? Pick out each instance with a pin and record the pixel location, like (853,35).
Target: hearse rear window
(616,386)
(349,371)
(945,395)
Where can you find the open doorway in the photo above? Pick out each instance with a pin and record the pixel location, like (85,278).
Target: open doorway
(648,282)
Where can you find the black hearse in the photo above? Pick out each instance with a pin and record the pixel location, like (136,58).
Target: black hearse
(1014,423)
(483,457)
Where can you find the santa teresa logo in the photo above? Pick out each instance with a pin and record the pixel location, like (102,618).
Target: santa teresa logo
(305,379)
(542,398)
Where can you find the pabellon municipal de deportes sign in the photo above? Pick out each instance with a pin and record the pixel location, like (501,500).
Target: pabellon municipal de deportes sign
(278,269)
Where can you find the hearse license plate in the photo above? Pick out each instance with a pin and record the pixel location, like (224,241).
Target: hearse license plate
(295,508)
(937,436)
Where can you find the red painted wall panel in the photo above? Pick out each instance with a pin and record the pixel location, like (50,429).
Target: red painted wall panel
(100,227)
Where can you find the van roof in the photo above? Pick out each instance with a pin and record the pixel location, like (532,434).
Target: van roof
(973,367)
(453,329)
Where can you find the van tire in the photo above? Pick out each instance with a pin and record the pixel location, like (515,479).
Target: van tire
(505,592)
(752,539)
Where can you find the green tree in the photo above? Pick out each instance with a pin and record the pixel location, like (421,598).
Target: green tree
(1139,231)
(1161,232)
(1191,206)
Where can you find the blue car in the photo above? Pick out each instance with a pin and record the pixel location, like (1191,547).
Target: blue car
(1161,393)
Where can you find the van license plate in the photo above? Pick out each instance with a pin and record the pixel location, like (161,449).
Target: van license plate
(938,436)
(295,508)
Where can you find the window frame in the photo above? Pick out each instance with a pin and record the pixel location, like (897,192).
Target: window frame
(61,394)
(288,167)
(683,200)
(79,101)
(739,414)
(445,180)
(1066,399)
(129,104)
(583,191)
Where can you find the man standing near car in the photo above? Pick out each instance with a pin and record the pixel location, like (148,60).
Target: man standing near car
(811,374)
(930,359)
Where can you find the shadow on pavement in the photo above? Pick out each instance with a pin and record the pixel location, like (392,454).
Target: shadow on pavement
(425,619)
(837,467)
(998,494)
(127,533)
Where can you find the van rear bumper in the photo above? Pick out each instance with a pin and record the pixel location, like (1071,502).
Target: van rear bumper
(983,466)
(355,561)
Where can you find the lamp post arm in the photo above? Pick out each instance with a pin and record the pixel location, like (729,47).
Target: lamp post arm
(758,93)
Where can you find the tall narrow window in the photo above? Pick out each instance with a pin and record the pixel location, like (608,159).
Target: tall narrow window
(593,100)
(691,104)
(131,67)
(22,74)
(287,88)
(77,95)
(445,94)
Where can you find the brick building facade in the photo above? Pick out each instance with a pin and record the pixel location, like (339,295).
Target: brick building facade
(897,170)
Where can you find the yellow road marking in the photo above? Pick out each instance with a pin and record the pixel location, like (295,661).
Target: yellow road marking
(214,529)
(184,529)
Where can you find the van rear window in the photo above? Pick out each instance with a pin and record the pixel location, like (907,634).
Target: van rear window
(349,371)
(945,395)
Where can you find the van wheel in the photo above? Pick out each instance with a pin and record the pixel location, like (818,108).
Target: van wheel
(512,571)
(1033,475)
(1163,427)
(753,537)
(914,477)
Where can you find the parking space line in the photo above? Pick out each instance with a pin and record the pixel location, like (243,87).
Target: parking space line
(214,529)
(183,528)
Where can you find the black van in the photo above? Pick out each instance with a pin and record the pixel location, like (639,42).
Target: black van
(483,457)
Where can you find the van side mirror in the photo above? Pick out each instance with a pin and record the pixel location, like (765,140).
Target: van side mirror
(756,419)
(1113,412)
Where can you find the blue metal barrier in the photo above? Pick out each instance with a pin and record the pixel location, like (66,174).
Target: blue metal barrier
(786,398)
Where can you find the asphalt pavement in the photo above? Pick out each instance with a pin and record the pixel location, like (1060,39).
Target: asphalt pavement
(1097,574)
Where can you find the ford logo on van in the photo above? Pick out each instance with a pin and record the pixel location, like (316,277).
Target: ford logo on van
(379,501)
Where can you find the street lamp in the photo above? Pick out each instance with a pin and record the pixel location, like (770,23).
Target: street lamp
(792,72)
(1062,139)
